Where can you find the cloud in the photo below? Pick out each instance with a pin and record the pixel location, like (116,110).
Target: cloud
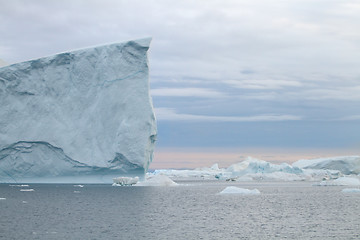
(168,114)
(348,118)
(242,59)
(186,92)
(330,93)
(263,84)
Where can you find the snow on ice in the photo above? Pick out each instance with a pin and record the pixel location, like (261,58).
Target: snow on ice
(240,191)
(157,181)
(125,181)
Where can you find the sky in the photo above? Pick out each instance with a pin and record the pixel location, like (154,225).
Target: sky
(278,80)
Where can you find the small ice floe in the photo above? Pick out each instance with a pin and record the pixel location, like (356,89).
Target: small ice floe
(2,198)
(351,190)
(125,181)
(240,191)
(27,190)
(19,185)
(80,186)
(158,181)
(76,191)
(24,202)
(342,181)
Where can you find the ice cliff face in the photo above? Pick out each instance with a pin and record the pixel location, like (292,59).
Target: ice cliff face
(86,112)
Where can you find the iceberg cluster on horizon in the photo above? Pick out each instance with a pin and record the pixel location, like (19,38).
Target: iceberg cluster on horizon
(253,169)
(80,116)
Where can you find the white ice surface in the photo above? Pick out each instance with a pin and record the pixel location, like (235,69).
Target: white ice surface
(125,181)
(77,113)
(345,164)
(27,190)
(252,165)
(240,191)
(253,169)
(157,181)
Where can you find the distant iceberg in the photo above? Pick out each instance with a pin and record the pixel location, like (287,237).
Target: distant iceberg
(346,165)
(255,166)
(80,116)
(252,169)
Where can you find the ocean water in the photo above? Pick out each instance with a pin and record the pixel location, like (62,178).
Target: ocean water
(193,210)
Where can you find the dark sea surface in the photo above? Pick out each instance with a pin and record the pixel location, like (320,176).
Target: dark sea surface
(193,210)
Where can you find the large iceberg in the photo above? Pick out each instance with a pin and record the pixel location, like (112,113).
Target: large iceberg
(344,164)
(80,114)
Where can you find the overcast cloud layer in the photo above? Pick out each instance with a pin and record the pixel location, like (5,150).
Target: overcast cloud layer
(223,73)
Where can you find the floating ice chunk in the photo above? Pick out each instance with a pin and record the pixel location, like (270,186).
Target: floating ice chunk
(343,181)
(24,202)
(76,191)
(80,186)
(125,181)
(351,190)
(241,191)
(19,185)
(1,198)
(27,190)
(158,181)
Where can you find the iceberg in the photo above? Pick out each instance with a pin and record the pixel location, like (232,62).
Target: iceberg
(157,181)
(240,191)
(342,181)
(252,165)
(252,169)
(346,165)
(125,181)
(80,116)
